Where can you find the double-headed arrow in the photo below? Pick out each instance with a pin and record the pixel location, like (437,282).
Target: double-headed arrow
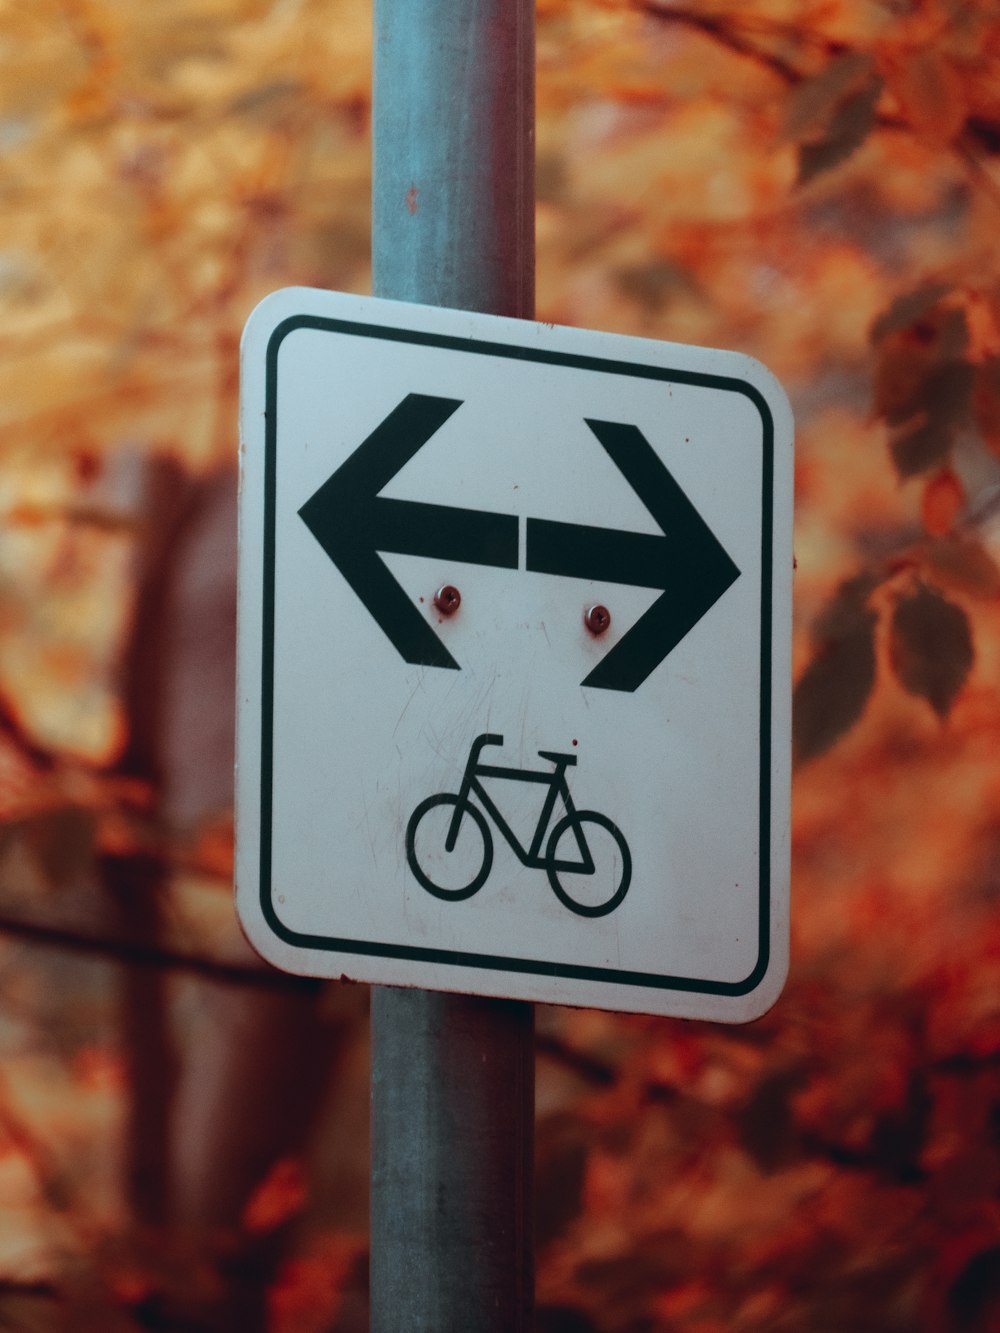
(353,523)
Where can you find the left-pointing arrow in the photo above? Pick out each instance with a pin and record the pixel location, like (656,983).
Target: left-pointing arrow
(353,523)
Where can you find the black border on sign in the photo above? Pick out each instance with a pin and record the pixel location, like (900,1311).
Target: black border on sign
(461,958)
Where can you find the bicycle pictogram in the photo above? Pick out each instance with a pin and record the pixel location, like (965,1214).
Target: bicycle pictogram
(449,846)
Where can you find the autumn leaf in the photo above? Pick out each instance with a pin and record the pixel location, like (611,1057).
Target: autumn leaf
(934,335)
(929,89)
(941,503)
(813,106)
(908,308)
(309,1287)
(923,387)
(986,401)
(931,647)
(846,132)
(278,1197)
(832,692)
(847,610)
(923,443)
(964,564)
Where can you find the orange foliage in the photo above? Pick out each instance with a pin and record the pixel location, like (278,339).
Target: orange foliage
(815,184)
(305,1297)
(941,503)
(279,1196)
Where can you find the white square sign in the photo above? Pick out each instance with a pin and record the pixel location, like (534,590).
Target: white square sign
(514,658)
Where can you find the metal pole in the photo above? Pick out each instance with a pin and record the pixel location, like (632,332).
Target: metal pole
(453,197)
(452,1075)
(452,1110)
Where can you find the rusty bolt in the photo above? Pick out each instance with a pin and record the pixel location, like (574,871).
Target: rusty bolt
(597,618)
(447,599)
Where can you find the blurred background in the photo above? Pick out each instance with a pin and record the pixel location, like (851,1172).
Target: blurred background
(183,1132)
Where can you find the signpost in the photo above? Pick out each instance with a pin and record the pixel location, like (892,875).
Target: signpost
(453,225)
(514,666)
(514,677)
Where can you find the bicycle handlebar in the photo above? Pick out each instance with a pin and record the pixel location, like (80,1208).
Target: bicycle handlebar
(491,738)
(480,743)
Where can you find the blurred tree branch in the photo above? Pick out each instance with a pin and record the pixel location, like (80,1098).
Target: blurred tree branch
(150,954)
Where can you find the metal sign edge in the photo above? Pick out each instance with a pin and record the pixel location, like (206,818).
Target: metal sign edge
(366,961)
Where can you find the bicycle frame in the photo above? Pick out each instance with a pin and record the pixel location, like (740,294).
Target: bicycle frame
(558,788)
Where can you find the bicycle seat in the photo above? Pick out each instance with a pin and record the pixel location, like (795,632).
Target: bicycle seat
(557,758)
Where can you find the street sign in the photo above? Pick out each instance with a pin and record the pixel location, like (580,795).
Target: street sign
(514,662)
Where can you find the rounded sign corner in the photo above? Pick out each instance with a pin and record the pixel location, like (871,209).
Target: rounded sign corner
(268,313)
(762,998)
(266,935)
(765,384)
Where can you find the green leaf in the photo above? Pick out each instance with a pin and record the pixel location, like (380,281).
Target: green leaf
(931,647)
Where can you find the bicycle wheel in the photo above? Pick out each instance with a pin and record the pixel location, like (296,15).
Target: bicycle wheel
(458,873)
(597,891)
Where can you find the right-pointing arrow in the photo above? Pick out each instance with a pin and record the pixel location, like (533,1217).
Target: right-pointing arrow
(687,561)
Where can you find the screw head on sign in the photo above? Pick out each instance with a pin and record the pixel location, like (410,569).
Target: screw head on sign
(447,599)
(597,618)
